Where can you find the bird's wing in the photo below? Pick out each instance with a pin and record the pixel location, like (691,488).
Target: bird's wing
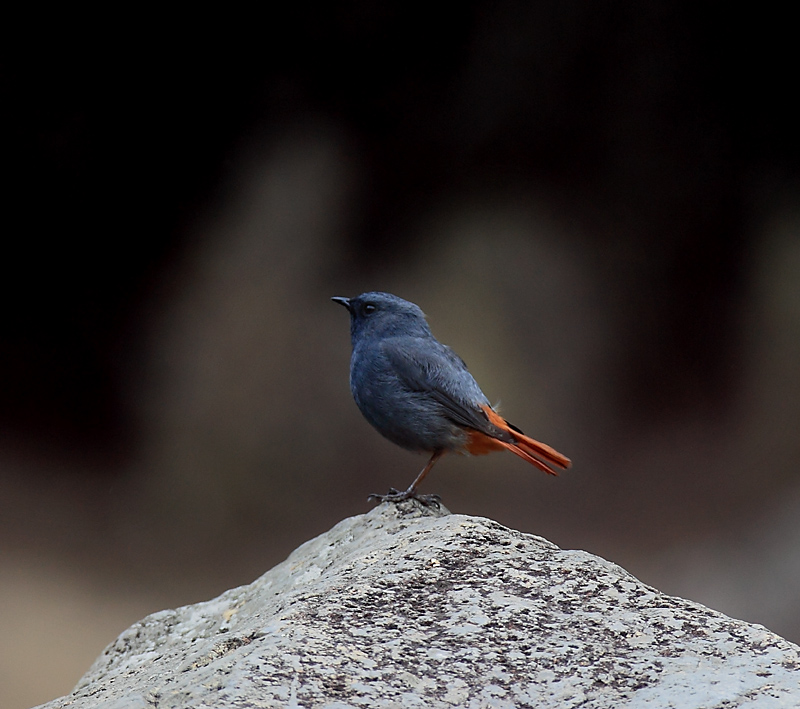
(428,366)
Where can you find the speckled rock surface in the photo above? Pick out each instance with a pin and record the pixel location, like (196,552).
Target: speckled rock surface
(404,607)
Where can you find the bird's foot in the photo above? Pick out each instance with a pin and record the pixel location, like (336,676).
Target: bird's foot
(410,494)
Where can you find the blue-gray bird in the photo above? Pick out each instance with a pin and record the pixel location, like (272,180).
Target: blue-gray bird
(419,394)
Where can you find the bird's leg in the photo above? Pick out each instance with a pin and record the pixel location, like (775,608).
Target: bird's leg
(411,493)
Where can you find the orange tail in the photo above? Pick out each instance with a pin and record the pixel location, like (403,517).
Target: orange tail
(526,448)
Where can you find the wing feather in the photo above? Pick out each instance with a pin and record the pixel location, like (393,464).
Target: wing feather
(425,365)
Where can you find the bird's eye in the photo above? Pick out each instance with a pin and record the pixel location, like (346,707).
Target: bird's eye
(369,308)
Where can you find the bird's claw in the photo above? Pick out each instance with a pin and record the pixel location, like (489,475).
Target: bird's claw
(396,496)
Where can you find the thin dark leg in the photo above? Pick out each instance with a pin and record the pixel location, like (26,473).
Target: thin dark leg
(411,493)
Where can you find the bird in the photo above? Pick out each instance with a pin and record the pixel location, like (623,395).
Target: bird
(419,394)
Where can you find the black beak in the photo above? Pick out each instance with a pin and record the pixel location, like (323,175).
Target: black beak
(342,301)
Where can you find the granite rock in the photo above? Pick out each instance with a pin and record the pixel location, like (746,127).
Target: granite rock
(414,607)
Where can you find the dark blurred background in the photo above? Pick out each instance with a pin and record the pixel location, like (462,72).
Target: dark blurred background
(597,205)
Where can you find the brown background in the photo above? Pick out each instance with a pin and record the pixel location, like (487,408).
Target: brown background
(596,206)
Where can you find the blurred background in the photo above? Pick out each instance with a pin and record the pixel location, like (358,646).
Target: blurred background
(597,205)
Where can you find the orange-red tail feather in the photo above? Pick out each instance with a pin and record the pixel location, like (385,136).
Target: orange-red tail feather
(527,448)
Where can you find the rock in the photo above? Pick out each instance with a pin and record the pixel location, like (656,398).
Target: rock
(412,607)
